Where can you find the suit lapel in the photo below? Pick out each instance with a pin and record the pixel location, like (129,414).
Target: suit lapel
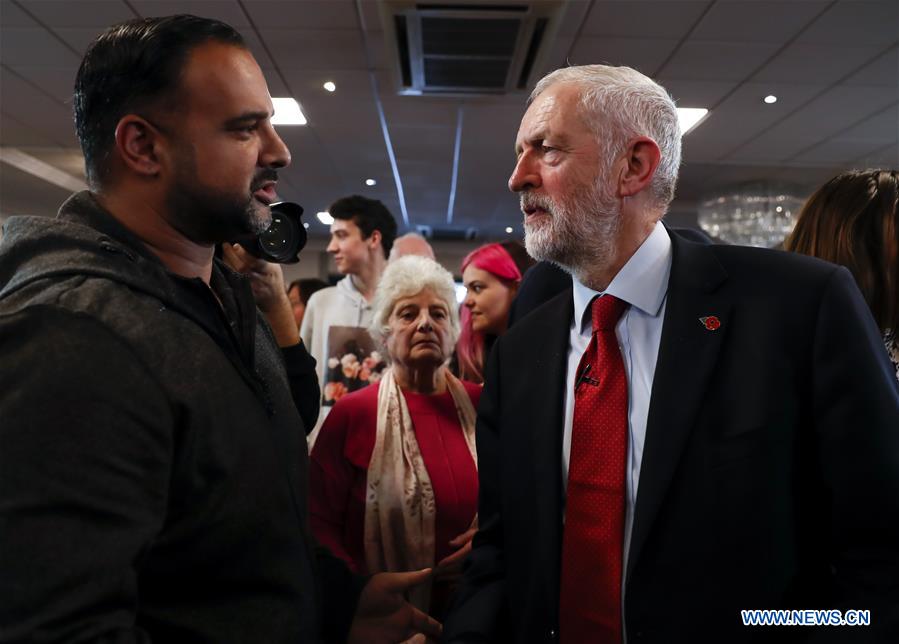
(688,352)
(544,413)
(547,410)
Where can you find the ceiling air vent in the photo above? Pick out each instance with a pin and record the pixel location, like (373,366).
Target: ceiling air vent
(468,48)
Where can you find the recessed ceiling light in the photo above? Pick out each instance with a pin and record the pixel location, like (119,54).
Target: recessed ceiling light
(690,117)
(287,112)
(305,224)
(371,182)
(330,86)
(770,98)
(325,217)
(508,229)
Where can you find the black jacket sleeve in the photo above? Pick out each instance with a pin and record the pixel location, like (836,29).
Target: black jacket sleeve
(303,383)
(479,603)
(856,410)
(84,476)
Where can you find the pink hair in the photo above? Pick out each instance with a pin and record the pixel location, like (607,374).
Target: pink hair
(496,260)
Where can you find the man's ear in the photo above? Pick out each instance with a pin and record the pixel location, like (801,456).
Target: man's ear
(640,164)
(138,143)
(374,240)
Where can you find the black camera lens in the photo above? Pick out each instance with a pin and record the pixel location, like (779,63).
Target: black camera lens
(285,237)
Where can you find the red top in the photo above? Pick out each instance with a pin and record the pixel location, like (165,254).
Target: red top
(342,452)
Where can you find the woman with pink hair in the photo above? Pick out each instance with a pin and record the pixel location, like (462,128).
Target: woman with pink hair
(491,274)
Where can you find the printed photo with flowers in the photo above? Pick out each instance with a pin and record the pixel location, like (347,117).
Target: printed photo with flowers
(353,362)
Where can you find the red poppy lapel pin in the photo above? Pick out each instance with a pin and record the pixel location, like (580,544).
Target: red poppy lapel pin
(710,322)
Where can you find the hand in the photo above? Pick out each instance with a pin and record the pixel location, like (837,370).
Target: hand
(383,615)
(450,568)
(267,282)
(266,278)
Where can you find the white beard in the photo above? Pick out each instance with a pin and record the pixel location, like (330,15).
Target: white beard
(577,234)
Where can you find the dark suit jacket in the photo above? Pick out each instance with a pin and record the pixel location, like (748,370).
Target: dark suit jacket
(770,472)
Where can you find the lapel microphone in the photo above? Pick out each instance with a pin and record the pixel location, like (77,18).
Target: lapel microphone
(583,377)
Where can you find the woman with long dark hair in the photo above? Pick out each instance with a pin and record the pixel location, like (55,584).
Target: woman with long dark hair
(853,220)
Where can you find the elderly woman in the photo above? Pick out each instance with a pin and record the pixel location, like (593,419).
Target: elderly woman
(394,471)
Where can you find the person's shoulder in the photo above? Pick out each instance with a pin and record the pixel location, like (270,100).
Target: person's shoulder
(57,344)
(361,400)
(760,265)
(352,414)
(553,312)
(769,263)
(473,390)
(321,297)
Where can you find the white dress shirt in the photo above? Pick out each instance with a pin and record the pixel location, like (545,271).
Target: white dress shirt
(643,283)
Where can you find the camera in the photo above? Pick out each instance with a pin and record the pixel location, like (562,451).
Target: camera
(283,240)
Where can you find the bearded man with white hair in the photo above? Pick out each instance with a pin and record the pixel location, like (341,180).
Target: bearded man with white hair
(690,431)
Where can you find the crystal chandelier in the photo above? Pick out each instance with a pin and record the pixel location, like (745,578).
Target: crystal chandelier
(751,215)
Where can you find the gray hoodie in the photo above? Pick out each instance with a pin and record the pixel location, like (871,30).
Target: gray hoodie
(152,461)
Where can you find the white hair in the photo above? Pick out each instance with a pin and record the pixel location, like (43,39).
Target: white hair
(620,103)
(410,244)
(406,277)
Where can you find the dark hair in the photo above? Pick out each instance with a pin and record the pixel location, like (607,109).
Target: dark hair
(306,287)
(853,220)
(370,215)
(129,67)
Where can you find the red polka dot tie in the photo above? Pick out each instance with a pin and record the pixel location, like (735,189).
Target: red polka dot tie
(593,539)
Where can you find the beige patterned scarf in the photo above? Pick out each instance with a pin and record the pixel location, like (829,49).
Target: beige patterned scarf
(399,501)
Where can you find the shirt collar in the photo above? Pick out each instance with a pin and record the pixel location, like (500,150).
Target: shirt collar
(642,282)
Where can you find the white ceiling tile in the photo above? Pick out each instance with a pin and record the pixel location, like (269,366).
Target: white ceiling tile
(688,93)
(837,152)
(421,112)
(96,14)
(641,54)
(812,63)
(887,157)
(842,106)
(880,128)
(25,103)
(756,20)
(228,11)
(381,56)
(351,84)
(15,133)
(303,14)
(329,49)
(874,22)
(814,123)
(25,194)
(717,61)
(78,38)
(12,16)
(719,133)
(59,82)
(882,71)
(33,47)
(643,18)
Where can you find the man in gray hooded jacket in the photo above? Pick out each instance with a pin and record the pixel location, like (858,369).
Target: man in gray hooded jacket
(152,456)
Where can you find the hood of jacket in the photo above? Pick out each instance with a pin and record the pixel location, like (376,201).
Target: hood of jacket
(83,239)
